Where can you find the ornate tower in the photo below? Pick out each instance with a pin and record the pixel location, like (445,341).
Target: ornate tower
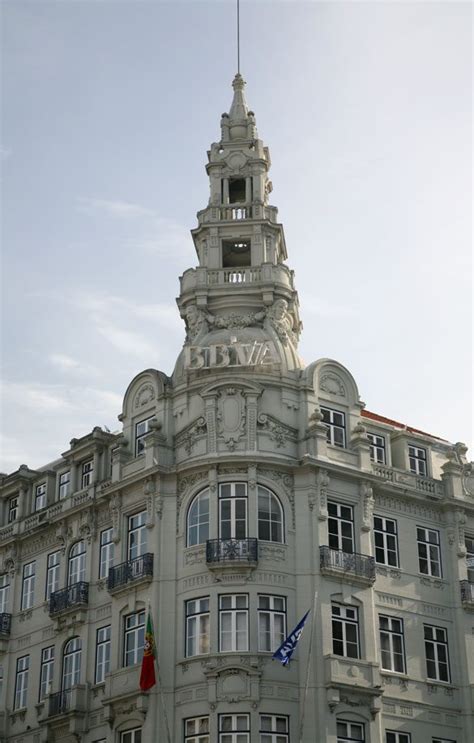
(240,304)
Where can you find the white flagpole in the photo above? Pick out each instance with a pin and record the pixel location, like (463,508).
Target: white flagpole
(160,690)
(308,668)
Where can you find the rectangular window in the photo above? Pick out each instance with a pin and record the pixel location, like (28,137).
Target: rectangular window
(136,535)
(134,638)
(197,627)
(21,682)
(102,654)
(233,510)
(234,729)
(64,484)
(46,672)
(196,730)
(28,586)
(271,622)
(417,459)
(107,548)
(52,573)
(469,542)
(233,623)
(131,736)
(341,527)
(394,737)
(336,425)
(442,740)
(4,592)
(429,554)
(436,652)
(377,448)
(13,509)
(348,732)
(87,472)
(345,631)
(40,496)
(392,647)
(274,729)
(141,430)
(386,541)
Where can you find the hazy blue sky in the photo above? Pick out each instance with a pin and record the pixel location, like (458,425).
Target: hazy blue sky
(108,110)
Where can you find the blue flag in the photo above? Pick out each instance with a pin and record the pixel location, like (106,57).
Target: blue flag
(287,648)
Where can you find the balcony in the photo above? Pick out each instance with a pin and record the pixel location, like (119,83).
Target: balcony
(400,478)
(5,624)
(467,594)
(352,679)
(132,571)
(250,276)
(222,553)
(347,566)
(68,707)
(72,597)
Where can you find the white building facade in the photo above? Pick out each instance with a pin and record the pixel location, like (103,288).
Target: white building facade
(241,488)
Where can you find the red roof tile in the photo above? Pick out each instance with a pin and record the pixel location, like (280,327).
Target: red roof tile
(397,424)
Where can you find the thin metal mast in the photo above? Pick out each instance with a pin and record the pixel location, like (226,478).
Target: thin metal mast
(238,36)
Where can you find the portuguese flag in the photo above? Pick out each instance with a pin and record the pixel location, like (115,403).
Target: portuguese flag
(147,673)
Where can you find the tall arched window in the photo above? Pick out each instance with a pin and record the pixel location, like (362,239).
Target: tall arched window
(77,563)
(71,663)
(270,516)
(198,519)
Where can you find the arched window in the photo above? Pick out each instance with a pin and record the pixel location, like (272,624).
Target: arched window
(270,516)
(77,563)
(71,663)
(198,519)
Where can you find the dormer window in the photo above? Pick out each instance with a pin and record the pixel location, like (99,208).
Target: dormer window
(417,458)
(237,191)
(86,473)
(235,253)
(336,425)
(13,509)
(40,496)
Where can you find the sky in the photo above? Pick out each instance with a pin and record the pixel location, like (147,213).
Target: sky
(108,109)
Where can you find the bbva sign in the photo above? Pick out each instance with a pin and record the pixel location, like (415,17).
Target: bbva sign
(220,355)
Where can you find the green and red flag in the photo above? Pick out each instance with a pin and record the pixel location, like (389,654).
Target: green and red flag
(147,673)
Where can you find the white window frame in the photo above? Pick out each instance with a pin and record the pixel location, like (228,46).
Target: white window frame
(53,567)
(271,614)
(396,736)
(388,541)
(234,494)
(335,425)
(102,653)
(46,672)
(87,472)
(197,626)
(348,737)
(378,449)
(469,544)
(144,426)
(13,509)
(232,609)
(394,641)
(131,736)
(64,484)
(346,617)
(20,697)
(197,520)
(106,552)
(76,564)
(137,537)
(4,593)
(72,661)
(196,729)
(134,629)
(337,515)
(40,496)
(273,522)
(28,585)
(429,551)
(269,732)
(418,460)
(436,643)
(235,734)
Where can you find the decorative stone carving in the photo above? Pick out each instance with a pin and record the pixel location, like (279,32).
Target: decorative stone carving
(184,483)
(282,322)
(287,482)
(115,505)
(332,384)
(145,394)
(233,320)
(461,521)
(468,479)
(188,436)
(279,432)
(197,323)
(367,497)
(231,416)
(88,524)
(322,484)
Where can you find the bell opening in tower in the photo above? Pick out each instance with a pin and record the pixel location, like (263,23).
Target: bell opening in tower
(235,253)
(237,191)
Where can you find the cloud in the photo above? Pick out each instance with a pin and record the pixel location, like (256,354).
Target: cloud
(126,341)
(51,399)
(324,308)
(121,209)
(65,363)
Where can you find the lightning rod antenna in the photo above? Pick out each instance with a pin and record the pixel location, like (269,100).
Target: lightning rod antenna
(238,37)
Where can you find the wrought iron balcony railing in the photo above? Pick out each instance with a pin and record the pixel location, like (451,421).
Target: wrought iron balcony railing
(5,623)
(139,567)
(59,703)
(352,563)
(70,597)
(230,551)
(467,592)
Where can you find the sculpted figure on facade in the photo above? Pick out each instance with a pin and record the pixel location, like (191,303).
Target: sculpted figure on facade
(280,320)
(197,323)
